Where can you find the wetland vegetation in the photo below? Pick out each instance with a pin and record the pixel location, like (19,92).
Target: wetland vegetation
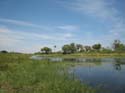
(20,74)
(76,69)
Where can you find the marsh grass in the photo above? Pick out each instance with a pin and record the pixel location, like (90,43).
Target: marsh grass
(87,55)
(19,74)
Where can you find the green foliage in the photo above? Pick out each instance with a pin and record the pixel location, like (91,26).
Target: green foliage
(106,50)
(96,47)
(118,46)
(46,50)
(87,48)
(3,51)
(24,75)
(66,49)
(79,48)
(71,48)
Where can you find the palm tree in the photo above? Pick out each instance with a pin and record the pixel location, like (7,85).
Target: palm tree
(54,48)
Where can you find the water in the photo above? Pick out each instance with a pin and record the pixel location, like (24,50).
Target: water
(106,74)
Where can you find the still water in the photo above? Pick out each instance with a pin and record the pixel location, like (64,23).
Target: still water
(106,74)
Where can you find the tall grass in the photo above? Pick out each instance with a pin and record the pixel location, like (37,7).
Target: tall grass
(19,74)
(87,55)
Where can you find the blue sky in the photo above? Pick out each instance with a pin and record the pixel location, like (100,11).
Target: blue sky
(28,25)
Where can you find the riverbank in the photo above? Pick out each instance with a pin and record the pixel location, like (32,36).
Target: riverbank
(86,55)
(19,74)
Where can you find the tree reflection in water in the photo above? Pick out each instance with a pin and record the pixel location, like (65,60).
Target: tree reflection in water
(118,64)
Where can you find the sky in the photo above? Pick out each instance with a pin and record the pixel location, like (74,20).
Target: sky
(28,25)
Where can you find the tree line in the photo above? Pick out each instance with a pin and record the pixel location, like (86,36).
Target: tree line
(117,46)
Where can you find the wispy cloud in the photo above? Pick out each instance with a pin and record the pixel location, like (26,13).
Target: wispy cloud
(104,10)
(20,40)
(68,27)
(64,28)
(118,30)
(23,40)
(99,8)
(21,35)
(18,22)
(68,35)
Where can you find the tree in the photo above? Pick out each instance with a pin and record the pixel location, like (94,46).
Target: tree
(66,49)
(118,46)
(73,48)
(106,50)
(46,50)
(121,48)
(79,47)
(96,47)
(69,48)
(3,51)
(87,48)
(54,48)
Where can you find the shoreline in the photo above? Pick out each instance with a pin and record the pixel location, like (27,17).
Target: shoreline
(86,55)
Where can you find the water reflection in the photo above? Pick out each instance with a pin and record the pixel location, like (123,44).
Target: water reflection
(118,63)
(59,59)
(117,66)
(107,74)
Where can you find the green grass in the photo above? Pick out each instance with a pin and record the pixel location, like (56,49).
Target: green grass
(19,74)
(87,55)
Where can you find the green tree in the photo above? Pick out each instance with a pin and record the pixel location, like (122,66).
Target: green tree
(73,48)
(54,48)
(106,50)
(96,47)
(79,47)
(46,50)
(3,51)
(122,47)
(118,46)
(87,48)
(66,49)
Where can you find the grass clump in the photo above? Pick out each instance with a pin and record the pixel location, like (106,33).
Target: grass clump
(23,75)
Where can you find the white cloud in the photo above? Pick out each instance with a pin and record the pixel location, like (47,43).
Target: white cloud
(21,23)
(44,28)
(24,41)
(104,10)
(68,35)
(17,40)
(19,35)
(99,8)
(68,27)
(118,30)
